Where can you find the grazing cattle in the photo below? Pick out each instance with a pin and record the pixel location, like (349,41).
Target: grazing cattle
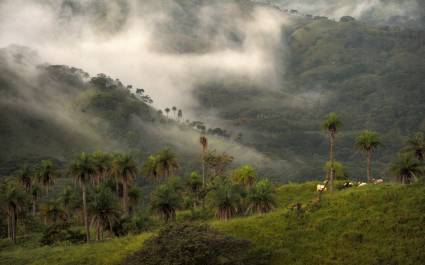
(378,181)
(320,188)
(362,184)
(348,185)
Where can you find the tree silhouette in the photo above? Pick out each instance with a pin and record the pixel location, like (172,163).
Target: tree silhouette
(331,124)
(416,145)
(82,170)
(405,168)
(368,142)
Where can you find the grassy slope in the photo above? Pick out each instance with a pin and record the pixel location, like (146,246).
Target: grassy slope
(369,225)
(382,224)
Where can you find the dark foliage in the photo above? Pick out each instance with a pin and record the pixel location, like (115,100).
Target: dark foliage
(58,233)
(188,244)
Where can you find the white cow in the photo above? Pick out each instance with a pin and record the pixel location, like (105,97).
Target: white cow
(362,184)
(378,181)
(320,188)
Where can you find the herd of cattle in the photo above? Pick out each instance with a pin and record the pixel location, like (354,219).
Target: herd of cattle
(346,185)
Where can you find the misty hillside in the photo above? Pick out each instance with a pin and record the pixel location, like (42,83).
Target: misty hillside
(271,92)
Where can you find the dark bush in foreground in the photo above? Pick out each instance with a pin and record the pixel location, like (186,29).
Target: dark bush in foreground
(188,244)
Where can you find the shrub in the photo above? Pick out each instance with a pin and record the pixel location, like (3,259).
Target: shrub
(59,233)
(189,244)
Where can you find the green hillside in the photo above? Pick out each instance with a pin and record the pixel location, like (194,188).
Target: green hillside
(376,224)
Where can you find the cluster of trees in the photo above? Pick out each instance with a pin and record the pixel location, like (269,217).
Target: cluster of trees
(99,180)
(177,114)
(104,194)
(407,166)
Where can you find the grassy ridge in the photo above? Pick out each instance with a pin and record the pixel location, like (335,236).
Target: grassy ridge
(375,224)
(369,225)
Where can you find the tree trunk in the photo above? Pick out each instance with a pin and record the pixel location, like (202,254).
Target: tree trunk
(86,221)
(9,224)
(369,166)
(14,219)
(125,196)
(98,230)
(34,202)
(332,160)
(203,170)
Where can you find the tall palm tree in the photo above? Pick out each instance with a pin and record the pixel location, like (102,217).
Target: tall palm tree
(124,168)
(82,170)
(103,209)
(416,145)
(174,110)
(331,124)
(66,197)
(225,198)
(167,162)
(135,195)
(150,168)
(165,200)
(35,194)
(405,168)
(25,177)
(203,140)
(102,163)
(245,175)
(261,198)
(194,185)
(13,199)
(46,174)
(367,142)
(167,111)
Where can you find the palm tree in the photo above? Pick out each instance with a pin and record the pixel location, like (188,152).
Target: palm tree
(167,110)
(103,209)
(225,198)
(35,194)
(134,197)
(194,185)
(331,125)
(13,200)
(204,143)
(261,198)
(174,110)
(416,145)
(125,169)
(165,200)
(180,114)
(82,170)
(53,212)
(24,176)
(405,168)
(66,197)
(150,168)
(46,174)
(167,162)
(368,142)
(245,175)
(102,165)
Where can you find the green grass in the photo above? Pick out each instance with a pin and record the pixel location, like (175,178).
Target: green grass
(375,224)
(382,224)
(105,253)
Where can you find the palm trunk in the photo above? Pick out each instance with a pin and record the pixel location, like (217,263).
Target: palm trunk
(98,230)
(86,221)
(125,197)
(332,159)
(9,224)
(203,169)
(34,202)
(369,166)
(14,219)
